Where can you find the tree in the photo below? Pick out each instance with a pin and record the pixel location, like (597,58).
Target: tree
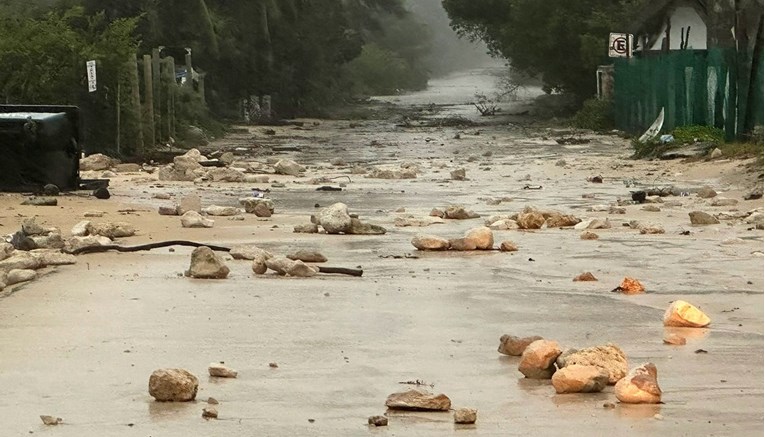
(561,41)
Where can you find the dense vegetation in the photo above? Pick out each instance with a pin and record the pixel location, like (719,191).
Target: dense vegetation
(560,41)
(305,54)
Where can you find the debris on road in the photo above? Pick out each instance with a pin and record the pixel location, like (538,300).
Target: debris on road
(682,314)
(609,357)
(514,346)
(51,420)
(418,400)
(640,386)
(629,286)
(173,385)
(577,378)
(465,416)
(538,359)
(220,370)
(205,264)
(585,277)
(674,340)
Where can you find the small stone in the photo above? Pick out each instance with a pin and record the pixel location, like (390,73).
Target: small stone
(640,386)
(465,416)
(560,163)
(248,252)
(617,210)
(259,266)
(31,228)
(651,229)
(162,196)
(706,192)
(51,190)
(308,228)
(458,175)
(250,204)
(205,264)
(209,413)
(682,314)
(585,277)
(674,340)
(279,265)
(561,221)
(94,214)
(102,193)
(482,238)
(514,346)
(299,269)
(335,218)
(288,167)
(361,228)
(127,168)
(168,210)
(193,219)
(273,365)
(96,162)
(221,371)
(51,420)
(173,385)
(651,208)
(658,416)
(579,378)
(459,213)
(17,276)
(531,220)
(81,228)
(262,210)
(221,211)
(609,405)
(587,235)
(609,357)
(430,242)
(418,400)
(508,246)
(538,360)
(112,230)
(212,401)
(716,153)
(702,218)
(308,256)
(40,201)
(630,286)
(722,201)
(377,421)
(435,212)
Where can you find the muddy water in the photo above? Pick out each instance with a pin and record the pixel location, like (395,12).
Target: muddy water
(81,342)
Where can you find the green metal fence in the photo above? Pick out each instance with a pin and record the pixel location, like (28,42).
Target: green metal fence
(695,87)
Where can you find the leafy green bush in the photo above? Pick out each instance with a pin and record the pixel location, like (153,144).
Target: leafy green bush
(698,134)
(379,71)
(596,114)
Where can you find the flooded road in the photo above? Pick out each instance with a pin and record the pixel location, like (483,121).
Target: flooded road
(81,342)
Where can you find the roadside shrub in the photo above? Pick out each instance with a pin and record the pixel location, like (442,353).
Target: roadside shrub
(596,114)
(698,134)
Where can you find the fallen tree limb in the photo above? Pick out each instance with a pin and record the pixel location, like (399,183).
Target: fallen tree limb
(160,244)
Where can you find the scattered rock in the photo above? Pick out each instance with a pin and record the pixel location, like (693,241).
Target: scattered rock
(609,357)
(248,252)
(168,210)
(707,192)
(716,153)
(702,218)
(308,228)
(514,346)
(335,218)
(459,213)
(508,246)
(51,420)
(630,286)
(262,210)
(75,243)
(587,235)
(435,212)
(205,264)
(430,242)
(561,221)
(279,264)
(259,266)
(418,222)
(462,244)
(193,219)
(94,214)
(418,400)
(682,314)
(209,413)
(617,210)
(465,416)
(17,276)
(288,167)
(531,220)
(52,241)
(112,230)
(221,211)
(299,269)
(173,385)
(225,174)
(585,277)
(81,228)
(96,162)
(640,386)
(458,175)
(212,401)
(674,339)
(219,370)
(594,224)
(538,360)
(504,225)
(361,228)
(651,208)
(577,378)
(722,201)
(482,238)
(31,228)
(40,201)
(308,256)
(51,190)
(651,229)
(102,193)
(377,421)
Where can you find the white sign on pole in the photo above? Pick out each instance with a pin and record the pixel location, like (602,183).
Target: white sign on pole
(91,66)
(620,45)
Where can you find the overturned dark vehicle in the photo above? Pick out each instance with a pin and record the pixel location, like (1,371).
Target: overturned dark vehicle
(40,145)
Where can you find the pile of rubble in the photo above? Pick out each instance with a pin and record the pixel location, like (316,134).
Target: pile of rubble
(336,219)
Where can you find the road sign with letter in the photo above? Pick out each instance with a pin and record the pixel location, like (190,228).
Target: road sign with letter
(91,66)
(620,45)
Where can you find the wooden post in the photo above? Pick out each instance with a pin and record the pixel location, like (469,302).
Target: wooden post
(119,90)
(157,81)
(167,84)
(189,69)
(149,100)
(171,96)
(136,103)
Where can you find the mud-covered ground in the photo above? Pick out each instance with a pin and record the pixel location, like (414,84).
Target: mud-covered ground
(81,342)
